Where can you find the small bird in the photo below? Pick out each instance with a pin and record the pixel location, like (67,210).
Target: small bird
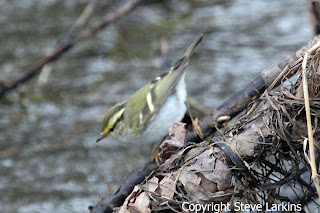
(148,114)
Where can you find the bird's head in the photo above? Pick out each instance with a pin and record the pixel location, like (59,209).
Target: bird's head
(112,124)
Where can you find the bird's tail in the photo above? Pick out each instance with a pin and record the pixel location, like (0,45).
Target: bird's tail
(180,65)
(193,46)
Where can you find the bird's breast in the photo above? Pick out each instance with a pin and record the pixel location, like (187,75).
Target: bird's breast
(172,111)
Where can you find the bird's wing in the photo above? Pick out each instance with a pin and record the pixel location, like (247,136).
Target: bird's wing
(143,106)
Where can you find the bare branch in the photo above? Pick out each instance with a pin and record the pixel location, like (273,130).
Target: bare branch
(238,102)
(63,47)
(230,108)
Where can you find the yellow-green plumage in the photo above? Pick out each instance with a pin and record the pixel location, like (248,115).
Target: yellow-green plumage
(159,90)
(151,110)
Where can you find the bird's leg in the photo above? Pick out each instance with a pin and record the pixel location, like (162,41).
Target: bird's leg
(196,129)
(155,156)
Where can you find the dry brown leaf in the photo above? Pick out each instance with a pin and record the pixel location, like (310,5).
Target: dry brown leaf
(196,190)
(178,132)
(152,185)
(191,183)
(245,143)
(169,147)
(213,169)
(207,185)
(136,204)
(167,186)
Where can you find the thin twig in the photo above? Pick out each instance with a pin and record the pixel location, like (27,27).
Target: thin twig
(83,18)
(239,101)
(283,73)
(85,15)
(314,176)
(108,19)
(63,47)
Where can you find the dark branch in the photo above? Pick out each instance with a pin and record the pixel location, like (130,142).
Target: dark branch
(238,102)
(63,47)
(107,203)
(231,107)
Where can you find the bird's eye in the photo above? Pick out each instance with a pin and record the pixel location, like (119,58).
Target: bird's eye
(111,129)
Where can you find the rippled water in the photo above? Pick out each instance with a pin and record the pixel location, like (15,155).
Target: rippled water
(49,160)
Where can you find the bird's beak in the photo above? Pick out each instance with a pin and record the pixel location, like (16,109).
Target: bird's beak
(101,137)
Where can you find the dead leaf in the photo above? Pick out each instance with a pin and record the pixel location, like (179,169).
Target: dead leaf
(178,132)
(167,186)
(137,204)
(152,185)
(213,169)
(169,148)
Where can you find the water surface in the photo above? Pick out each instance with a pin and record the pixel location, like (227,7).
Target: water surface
(49,160)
